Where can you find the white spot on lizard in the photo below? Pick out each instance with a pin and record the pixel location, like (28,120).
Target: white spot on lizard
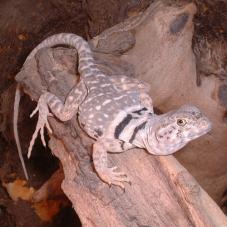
(106,102)
(119,97)
(91,115)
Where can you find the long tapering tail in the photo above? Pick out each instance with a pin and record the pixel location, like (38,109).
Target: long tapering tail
(15,129)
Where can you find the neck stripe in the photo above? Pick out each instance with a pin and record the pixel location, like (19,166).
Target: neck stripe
(136,130)
(120,127)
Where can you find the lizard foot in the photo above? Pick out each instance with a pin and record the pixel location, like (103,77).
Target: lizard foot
(109,176)
(43,110)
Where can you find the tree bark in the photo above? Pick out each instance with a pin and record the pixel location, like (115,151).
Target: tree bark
(162,193)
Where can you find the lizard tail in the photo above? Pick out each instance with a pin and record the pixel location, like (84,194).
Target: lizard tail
(15,129)
(86,61)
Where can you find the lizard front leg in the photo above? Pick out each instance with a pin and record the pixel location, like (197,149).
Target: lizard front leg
(63,111)
(100,149)
(146,101)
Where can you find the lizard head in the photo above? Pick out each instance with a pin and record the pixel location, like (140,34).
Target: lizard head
(173,130)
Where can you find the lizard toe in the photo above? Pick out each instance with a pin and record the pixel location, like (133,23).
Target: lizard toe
(114,178)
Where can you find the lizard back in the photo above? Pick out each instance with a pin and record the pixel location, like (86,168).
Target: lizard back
(107,105)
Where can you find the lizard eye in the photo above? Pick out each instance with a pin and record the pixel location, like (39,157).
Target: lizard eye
(181,122)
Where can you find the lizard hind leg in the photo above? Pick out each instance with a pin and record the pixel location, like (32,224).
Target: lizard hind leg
(43,110)
(63,111)
(108,175)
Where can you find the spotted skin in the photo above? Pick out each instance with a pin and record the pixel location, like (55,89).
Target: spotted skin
(116,111)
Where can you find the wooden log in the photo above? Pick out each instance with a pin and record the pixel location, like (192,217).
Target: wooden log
(166,61)
(162,193)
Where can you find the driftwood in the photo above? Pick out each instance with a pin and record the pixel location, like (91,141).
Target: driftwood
(166,61)
(162,193)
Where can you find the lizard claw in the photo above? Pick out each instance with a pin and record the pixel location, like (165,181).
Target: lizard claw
(43,110)
(114,178)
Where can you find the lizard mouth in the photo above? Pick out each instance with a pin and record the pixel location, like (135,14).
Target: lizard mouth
(205,131)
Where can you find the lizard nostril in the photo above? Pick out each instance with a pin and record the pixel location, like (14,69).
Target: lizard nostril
(205,124)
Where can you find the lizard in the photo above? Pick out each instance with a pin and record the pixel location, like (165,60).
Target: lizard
(116,111)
